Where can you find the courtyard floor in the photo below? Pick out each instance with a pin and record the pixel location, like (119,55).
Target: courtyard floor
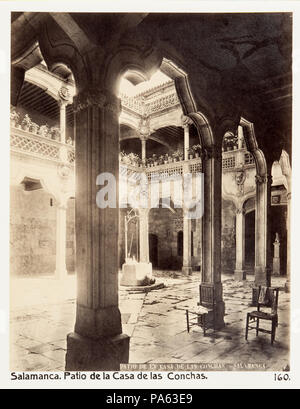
(43,313)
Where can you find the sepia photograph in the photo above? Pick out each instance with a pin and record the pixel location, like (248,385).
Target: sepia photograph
(150,193)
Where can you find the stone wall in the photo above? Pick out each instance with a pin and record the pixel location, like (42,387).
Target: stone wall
(33,233)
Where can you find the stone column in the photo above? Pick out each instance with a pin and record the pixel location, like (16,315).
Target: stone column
(64,100)
(61,234)
(143,141)
(276,257)
(97,342)
(288,242)
(187,245)
(211,230)
(144,236)
(240,155)
(186,141)
(62,115)
(239,272)
(263,252)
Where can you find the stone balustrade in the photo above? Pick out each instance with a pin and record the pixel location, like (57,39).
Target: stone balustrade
(29,143)
(141,107)
(43,146)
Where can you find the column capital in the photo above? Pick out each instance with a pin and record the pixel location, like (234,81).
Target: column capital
(144,137)
(64,96)
(186,121)
(240,210)
(99,98)
(261,179)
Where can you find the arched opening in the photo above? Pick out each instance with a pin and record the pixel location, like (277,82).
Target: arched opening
(250,242)
(180,243)
(249,207)
(153,249)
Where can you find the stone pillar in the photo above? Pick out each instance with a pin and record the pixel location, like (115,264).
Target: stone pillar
(276,257)
(239,272)
(144,141)
(97,342)
(61,233)
(186,141)
(287,172)
(187,245)
(240,155)
(211,230)
(288,243)
(263,252)
(64,100)
(144,236)
(62,115)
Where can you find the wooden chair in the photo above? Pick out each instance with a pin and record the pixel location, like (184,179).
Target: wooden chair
(205,307)
(263,297)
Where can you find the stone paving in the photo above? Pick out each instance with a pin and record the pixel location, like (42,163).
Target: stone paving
(155,322)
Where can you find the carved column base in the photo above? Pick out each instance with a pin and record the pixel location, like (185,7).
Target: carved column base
(187,271)
(98,323)
(262,276)
(240,275)
(86,354)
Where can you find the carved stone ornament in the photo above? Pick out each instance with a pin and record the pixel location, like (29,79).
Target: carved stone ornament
(99,98)
(144,127)
(64,93)
(64,171)
(186,121)
(260,179)
(240,210)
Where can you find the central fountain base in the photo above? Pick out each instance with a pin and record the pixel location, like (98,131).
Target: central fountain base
(136,274)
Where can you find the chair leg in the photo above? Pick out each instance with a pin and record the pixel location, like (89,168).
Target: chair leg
(257,326)
(247,325)
(187,320)
(273,331)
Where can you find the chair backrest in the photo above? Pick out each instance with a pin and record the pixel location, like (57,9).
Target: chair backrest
(267,297)
(207,295)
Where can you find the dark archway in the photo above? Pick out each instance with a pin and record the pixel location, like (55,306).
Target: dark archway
(153,249)
(250,241)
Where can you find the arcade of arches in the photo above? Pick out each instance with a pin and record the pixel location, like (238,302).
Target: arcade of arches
(141,104)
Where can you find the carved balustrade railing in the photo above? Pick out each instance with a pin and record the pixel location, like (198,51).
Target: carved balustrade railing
(39,146)
(141,107)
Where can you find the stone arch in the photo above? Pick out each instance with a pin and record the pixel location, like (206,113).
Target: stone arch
(58,51)
(252,147)
(130,59)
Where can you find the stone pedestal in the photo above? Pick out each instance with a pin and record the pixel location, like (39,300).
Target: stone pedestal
(103,354)
(134,274)
(240,275)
